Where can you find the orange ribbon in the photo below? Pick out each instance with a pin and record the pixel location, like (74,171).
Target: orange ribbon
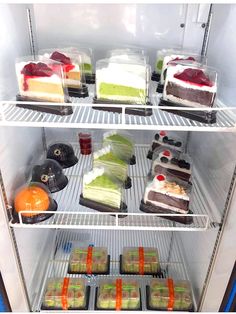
(118,294)
(141,260)
(64,293)
(89,260)
(171,301)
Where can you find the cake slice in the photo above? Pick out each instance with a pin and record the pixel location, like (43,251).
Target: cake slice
(190,85)
(121,145)
(99,187)
(168,195)
(172,163)
(108,160)
(41,81)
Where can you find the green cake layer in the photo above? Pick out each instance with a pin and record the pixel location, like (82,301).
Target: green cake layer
(103,190)
(119,90)
(87,68)
(115,166)
(159,65)
(122,147)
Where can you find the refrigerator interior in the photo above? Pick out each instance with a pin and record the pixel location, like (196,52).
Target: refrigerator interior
(183,254)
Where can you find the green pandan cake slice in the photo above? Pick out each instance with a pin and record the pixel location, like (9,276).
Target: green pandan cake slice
(122,147)
(107,159)
(87,68)
(100,187)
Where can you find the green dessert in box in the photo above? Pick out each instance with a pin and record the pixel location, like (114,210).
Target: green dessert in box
(89,260)
(140,260)
(65,294)
(100,187)
(107,159)
(119,294)
(166,294)
(121,145)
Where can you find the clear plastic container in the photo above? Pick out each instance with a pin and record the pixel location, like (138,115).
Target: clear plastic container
(127,53)
(140,260)
(190,85)
(102,188)
(118,294)
(160,58)
(87,58)
(41,80)
(33,197)
(173,56)
(121,143)
(122,81)
(171,162)
(167,294)
(65,294)
(105,157)
(62,153)
(89,260)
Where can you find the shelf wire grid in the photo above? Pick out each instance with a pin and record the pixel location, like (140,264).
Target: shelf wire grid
(84,116)
(59,262)
(72,215)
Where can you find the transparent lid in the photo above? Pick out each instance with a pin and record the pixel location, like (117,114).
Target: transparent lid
(63,153)
(79,254)
(41,79)
(134,53)
(71,64)
(32,197)
(160,57)
(107,158)
(102,187)
(50,173)
(87,57)
(164,138)
(121,142)
(122,81)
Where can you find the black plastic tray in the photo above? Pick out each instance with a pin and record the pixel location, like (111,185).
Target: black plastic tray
(132,160)
(149,307)
(160,88)
(128,183)
(200,116)
(157,274)
(58,110)
(187,220)
(93,273)
(155,76)
(90,78)
(102,207)
(98,309)
(134,111)
(87,294)
(37,218)
(81,92)
(150,154)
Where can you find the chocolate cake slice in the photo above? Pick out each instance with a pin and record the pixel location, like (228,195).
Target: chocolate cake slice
(190,85)
(170,162)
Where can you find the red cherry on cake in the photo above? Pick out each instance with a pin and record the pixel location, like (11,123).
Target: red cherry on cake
(36,69)
(194,76)
(57,56)
(166,153)
(160,177)
(162,133)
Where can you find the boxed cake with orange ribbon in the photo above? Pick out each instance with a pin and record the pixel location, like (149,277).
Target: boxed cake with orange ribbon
(89,260)
(118,294)
(139,260)
(66,294)
(167,294)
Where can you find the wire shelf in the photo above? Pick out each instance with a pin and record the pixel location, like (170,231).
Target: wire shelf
(84,116)
(72,215)
(170,260)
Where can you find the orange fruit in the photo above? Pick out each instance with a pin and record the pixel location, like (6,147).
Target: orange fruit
(32,198)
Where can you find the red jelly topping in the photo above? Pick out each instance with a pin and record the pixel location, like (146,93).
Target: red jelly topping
(32,70)
(182,59)
(67,65)
(162,133)
(194,76)
(160,177)
(166,153)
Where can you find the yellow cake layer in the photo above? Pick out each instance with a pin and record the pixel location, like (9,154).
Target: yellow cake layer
(73,75)
(43,87)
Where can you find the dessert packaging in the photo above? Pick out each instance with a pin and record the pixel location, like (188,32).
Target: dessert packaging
(172,163)
(165,194)
(41,81)
(123,81)
(118,294)
(121,144)
(169,295)
(156,74)
(166,139)
(89,260)
(51,174)
(33,197)
(190,85)
(102,191)
(106,158)
(66,294)
(62,153)
(139,261)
